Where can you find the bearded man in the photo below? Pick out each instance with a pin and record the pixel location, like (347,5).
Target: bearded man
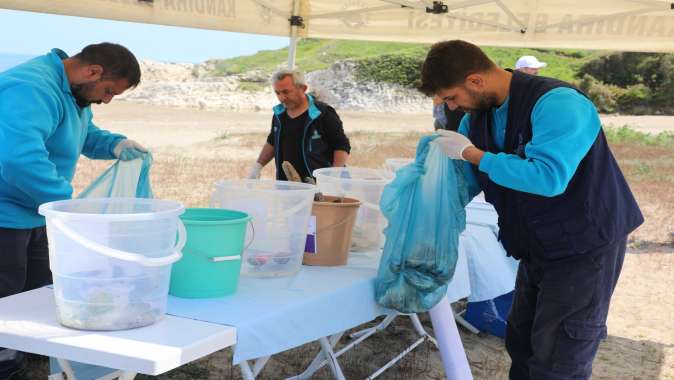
(45,124)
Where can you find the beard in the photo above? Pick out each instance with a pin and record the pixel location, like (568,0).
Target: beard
(81,93)
(482,102)
(292,103)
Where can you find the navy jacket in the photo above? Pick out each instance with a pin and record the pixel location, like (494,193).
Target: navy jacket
(596,208)
(321,137)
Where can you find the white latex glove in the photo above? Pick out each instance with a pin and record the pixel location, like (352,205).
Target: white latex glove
(254,171)
(452,143)
(127,150)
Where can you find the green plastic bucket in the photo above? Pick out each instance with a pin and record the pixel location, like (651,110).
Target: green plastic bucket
(212,256)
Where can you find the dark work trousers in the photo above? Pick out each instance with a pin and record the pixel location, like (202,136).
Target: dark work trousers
(559,311)
(24,260)
(24,265)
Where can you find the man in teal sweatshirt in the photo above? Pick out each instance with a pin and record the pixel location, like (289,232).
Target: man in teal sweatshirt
(45,124)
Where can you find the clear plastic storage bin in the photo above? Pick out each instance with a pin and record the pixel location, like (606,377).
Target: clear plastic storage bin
(111,259)
(280,212)
(363,184)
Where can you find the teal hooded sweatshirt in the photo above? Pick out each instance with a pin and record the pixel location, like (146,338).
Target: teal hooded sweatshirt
(42,134)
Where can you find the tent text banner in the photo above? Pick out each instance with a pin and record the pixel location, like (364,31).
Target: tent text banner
(636,25)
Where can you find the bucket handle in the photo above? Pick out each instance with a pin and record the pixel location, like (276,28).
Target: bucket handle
(123,255)
(371,206)
(295,209)
(252,228)
(214,200)
(217,259)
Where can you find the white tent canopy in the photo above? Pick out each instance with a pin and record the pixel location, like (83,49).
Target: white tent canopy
(633,25)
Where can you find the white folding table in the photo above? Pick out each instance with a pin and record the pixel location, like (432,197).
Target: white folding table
(268,316)
(28,323)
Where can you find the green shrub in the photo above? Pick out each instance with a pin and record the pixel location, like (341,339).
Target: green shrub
(604,96)
(618,69)
(647,80)
(654,70)
(634,97)
(663,97)
(249,86)
(399,69)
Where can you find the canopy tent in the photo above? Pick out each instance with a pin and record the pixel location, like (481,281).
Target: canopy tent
(632,25)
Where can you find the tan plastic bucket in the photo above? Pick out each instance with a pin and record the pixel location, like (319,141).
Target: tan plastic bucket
(334,228)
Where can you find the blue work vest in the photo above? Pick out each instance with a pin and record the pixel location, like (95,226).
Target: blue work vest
(596,208)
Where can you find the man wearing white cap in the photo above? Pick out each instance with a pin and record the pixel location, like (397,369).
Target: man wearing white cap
(529,64)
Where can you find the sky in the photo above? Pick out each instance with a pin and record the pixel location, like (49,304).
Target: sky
(28,33)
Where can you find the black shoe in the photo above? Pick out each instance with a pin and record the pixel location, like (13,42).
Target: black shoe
(11,366)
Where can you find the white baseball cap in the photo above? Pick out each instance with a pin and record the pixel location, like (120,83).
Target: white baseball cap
(529,61)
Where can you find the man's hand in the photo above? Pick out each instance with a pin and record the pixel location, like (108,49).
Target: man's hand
(453,144)
(127,150)
(254,171)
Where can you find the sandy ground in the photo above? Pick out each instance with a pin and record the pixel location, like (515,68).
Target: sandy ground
(641,321)
(171,130)
(647,124)
(160,126)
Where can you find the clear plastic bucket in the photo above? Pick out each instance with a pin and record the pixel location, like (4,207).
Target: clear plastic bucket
(111,259)
(280,212)
(365,185)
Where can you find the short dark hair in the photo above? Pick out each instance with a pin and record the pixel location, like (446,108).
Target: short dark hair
(117,61)
(448,63)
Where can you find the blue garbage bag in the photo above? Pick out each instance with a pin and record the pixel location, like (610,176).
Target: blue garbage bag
(425,208)
(124,179)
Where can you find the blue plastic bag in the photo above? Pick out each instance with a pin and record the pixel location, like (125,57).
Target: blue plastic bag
(124,179)
(425,208)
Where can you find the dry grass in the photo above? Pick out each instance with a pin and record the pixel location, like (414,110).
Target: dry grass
(188,175)
(650,173)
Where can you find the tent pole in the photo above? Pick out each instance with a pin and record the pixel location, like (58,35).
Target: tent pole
(292,51)
(295,23)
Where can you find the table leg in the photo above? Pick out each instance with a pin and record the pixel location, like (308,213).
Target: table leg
(449,342)
(371,330)
(401,355)
(460,320)
(67,369)
(332,360)
(421,330)
(259,364)
(246,371)
(70,374)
